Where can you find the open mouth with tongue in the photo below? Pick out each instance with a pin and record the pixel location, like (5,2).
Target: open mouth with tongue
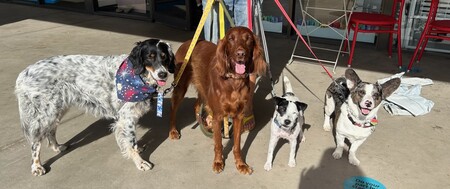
(152,78)
(161,82)
(239,68)
(365,111)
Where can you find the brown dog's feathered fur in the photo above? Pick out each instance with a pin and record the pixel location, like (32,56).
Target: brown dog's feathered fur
(212,70)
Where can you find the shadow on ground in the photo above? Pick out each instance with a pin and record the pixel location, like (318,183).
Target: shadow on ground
(330,173)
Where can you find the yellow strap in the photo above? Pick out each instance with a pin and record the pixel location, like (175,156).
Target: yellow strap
(206,11)
(226,128)
(221,22)
(227,13)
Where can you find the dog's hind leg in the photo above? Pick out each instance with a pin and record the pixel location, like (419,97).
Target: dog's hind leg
(177,98)
(328,111)
(37,116)
(36,167)
(51,137)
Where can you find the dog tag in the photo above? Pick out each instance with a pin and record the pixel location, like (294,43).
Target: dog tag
(159,105)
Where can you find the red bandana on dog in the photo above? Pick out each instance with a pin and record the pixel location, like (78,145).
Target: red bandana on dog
(130,87)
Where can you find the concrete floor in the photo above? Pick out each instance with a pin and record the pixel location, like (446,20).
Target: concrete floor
(404,152)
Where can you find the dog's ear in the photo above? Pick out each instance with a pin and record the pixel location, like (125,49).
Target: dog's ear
(221,57)
(352,78)
(388,87)
(301,106)
(136,59)
(259,63)
(278,100)
(171,57)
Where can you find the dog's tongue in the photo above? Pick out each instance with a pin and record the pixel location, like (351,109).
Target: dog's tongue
(365,111)
(239,68)
(161,82)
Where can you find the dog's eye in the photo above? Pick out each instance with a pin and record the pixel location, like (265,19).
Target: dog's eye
(376,96)
(361,93)
(230,38)
(163,56)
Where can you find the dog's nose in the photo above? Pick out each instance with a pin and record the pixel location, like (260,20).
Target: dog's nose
(162,75)
(287,122)
(368,103)
(240,53)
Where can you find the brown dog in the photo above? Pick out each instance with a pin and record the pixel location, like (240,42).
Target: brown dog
(221,74)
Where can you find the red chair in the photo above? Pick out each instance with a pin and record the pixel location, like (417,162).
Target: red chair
(436,29)
(378,23)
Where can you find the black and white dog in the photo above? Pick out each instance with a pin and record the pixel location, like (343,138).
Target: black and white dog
(287,122)
(114,87)
(355,105)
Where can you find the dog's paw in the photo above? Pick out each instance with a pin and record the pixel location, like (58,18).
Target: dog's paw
(268,166)
(174,135)
(337,154)
(353,160)
(303,139)
(59,148)
(292,163)
(327,127)
(217,167)
(144,166)
(37,170)
(244,169)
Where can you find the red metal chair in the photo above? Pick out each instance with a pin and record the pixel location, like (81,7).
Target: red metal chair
(436,29)
(378,23)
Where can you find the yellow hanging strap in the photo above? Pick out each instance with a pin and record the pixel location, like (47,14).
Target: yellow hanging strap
(221,18)
(198,31)
(221,22)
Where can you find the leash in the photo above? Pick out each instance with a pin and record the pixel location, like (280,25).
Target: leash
(197,33)
(260,30)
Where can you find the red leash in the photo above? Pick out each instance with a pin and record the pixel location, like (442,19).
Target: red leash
(301,37)
(249,14)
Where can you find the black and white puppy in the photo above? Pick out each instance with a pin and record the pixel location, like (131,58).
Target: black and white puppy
(355,105)
(287,122)
(118,87)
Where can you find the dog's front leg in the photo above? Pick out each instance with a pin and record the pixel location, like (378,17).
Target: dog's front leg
(352,152)
(293,142)
(241,166)
(218,148)
(340,144)
(125,133)
(328,111)
(272,143)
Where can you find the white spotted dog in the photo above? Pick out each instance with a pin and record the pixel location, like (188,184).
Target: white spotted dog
(354,105)
(118,87)
(287,122)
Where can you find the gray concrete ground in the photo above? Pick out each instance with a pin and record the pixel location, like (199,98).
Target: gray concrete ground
(404,152)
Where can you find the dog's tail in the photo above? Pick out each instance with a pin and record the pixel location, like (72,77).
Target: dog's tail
(287,85)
